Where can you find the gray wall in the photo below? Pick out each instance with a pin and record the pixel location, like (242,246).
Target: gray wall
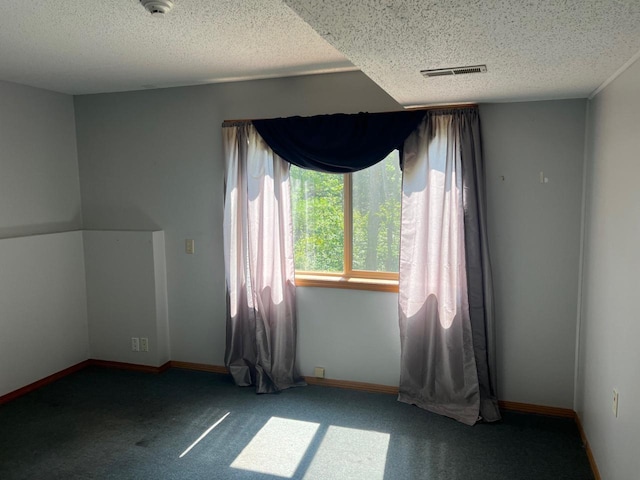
(153,160)
(39,185)
(43,309)
(534,238)
(126,295)
(352,334)
(43,325)
(609,331)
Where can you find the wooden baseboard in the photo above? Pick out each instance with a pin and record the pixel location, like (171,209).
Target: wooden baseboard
(43,381)
(539,409)
(129,366)
(556,412)
(80,366)
(327,382)
(365,387)
(587,447)
(505,405)
(202,367)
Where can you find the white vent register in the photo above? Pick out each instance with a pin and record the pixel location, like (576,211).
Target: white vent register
(441,72)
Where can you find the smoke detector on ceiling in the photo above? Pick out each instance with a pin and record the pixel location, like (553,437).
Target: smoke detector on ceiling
(440,72)
(157,8)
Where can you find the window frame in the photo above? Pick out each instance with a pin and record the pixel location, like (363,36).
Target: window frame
(349,278)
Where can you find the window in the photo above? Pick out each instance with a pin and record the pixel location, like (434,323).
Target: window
(346,228)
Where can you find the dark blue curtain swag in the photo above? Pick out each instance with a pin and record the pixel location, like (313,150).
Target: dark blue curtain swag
(338,143)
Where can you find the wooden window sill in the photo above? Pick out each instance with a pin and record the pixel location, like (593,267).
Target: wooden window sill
(347,282)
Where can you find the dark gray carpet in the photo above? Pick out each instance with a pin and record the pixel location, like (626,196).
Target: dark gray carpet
(109,424)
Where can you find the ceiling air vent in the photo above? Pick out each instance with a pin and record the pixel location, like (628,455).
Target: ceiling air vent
(440,72)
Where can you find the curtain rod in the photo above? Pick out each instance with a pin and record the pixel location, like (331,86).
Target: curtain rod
(442,107)
(408,109)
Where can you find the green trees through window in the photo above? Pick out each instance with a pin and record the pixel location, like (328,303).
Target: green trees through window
(318,220)
(348,224)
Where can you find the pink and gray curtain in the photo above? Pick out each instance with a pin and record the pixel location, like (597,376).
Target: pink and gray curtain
(445,292)
(258,252)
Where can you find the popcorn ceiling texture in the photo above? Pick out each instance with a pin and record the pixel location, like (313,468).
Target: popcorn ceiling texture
(81,46)
(539,49)
(533,50)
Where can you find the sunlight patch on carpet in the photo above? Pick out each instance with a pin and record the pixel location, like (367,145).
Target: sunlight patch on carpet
(204,435)
(277,448)
(350,453)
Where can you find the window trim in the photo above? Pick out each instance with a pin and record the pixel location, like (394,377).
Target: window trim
(349,278)
(307,279)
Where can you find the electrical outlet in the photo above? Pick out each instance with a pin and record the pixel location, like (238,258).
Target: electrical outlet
(614,405)
(318,372)
(189,246)
(135,344)
(144,344)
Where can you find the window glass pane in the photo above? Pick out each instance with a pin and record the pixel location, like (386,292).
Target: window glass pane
(318,220)
(376,216)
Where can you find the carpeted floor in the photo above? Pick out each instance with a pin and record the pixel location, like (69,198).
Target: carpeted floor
(110,424)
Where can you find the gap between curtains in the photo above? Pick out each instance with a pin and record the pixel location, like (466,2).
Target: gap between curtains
(258,250)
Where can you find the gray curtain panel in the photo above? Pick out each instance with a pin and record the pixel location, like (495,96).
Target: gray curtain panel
(479,280)
(258,249)
(446,320)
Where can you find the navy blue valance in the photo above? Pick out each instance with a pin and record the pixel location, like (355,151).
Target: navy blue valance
(339,143)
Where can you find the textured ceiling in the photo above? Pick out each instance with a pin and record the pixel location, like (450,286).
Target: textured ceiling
(536,49)
(89,46)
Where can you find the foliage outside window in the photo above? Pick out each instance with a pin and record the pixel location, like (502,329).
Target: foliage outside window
(347,227)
